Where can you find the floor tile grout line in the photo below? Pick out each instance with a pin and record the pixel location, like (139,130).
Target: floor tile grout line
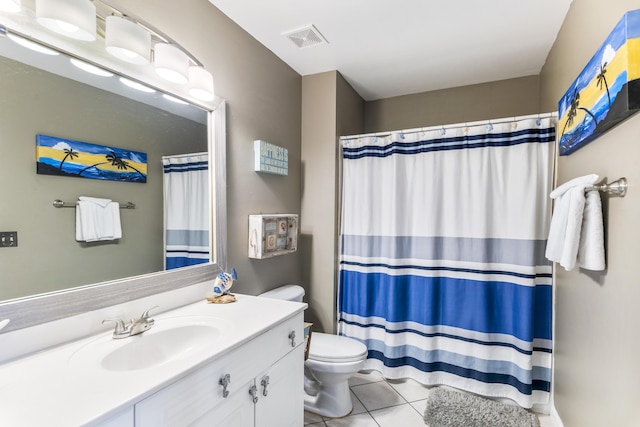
(369,412)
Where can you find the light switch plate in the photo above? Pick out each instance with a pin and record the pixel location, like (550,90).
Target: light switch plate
(8,239)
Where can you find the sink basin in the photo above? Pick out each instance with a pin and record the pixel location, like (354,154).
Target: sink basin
(170,339)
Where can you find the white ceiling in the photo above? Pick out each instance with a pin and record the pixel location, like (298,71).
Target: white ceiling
(387,48)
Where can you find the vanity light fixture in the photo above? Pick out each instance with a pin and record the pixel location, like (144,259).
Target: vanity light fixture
(89,68)
(171,63)
(174,99)
(136,85)
(10,6)
(72,18)
(201,84)
(36,47)
(127,40)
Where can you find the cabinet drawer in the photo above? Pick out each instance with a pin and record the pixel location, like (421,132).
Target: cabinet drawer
(186,400)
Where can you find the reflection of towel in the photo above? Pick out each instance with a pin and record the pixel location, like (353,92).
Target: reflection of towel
(566,223)
(97,219)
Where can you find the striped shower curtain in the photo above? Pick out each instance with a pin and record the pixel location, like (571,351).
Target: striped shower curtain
(186,210)
(442,268)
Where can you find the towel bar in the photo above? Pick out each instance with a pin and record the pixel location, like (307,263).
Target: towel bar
(57,203)
(615,188)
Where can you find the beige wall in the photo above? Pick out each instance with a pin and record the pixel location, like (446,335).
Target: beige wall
(330,107)
(349,120)
(597,352)
(317,221)
(47,257)
(504,98)
(263,97)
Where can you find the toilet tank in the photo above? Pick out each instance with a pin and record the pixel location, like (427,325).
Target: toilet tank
(286,292)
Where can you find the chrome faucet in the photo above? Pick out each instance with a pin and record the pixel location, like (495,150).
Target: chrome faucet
(134,327)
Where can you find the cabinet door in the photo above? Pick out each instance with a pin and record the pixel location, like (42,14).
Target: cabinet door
(237,411)
(281,392)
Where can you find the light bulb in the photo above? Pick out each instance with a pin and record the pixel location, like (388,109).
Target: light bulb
(10,6)
(201,84)
(171,63)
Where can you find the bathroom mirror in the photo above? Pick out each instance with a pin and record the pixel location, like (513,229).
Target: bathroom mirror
(49,275)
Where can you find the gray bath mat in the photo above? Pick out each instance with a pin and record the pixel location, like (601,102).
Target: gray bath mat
(447,408)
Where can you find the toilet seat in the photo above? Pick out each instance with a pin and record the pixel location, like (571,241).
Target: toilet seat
(335,348)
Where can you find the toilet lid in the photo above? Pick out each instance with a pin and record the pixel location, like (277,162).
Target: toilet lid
(335,348)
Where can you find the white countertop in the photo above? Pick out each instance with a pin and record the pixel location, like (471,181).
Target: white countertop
(46,389)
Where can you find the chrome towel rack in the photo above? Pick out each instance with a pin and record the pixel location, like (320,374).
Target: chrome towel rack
(57,203)
(616,188)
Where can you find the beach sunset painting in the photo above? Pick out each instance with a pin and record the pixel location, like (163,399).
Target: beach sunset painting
(606,92)
(66,157)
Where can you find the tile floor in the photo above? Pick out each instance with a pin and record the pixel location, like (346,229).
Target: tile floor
(385,403)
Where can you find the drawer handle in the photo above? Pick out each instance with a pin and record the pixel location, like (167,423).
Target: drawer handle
(224,382)
(292,337)
(253,391)
(265,383)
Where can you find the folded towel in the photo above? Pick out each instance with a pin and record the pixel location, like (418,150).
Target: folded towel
(566,223)
(103,203)
(97,219)
(591,249)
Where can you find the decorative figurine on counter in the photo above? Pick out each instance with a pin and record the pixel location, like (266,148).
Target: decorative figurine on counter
(221,286)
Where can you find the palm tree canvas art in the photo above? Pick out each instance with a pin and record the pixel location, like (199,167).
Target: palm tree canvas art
(66,157)
(606,92)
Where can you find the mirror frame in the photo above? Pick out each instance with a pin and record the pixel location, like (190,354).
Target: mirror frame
(37,309)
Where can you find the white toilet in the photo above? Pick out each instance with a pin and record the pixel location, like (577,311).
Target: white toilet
(332,360)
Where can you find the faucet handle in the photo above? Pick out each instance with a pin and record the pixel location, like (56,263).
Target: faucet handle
(120,328)
(145,315)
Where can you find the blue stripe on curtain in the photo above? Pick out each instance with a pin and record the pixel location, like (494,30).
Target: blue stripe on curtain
(195,166)
(544,135)
(442,268)
(466,304)
(525,387)
(186,261)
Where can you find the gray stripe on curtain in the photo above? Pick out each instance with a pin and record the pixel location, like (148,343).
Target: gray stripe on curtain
(490,250)
(188,237)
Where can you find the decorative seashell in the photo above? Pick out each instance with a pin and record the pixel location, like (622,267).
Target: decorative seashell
(223,282)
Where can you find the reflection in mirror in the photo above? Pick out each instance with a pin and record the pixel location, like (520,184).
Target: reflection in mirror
(68,103)
(35,102)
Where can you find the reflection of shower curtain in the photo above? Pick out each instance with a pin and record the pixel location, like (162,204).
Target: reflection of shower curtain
(442,267)
(186,210)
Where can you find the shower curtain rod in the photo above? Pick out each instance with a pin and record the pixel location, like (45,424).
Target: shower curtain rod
(453,126)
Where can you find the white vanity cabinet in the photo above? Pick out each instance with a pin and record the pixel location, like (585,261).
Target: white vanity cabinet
(259,349)
(264,386)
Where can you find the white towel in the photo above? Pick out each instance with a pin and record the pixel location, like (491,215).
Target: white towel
(591,249)
(97,219)
(566,223)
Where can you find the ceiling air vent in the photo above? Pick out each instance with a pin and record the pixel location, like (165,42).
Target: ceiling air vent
(306,36)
